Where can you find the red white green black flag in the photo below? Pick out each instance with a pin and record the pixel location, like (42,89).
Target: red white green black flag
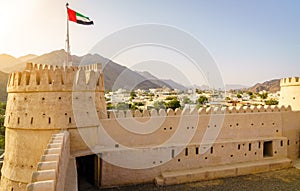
(79,18)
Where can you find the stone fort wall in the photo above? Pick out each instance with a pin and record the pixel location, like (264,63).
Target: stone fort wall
(290,92)
(40,103)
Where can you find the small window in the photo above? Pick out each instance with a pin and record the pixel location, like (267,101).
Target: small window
(259,145)
(31,120)
(288,142)
(239,146)
(197,150)
(249,146)
(281,143)
(173,153)
(18,120)
(186,151)
(49,120)
(211,150)
(70,120)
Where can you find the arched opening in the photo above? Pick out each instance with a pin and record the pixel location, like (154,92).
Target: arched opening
(88,172)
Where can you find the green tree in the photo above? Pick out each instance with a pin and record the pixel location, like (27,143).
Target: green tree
(271,102)
(122,106)
(202,100)
(109,106)
(2,141)
(173,104)
(170,98)
(198,91)
(239,96)
(133,94)
(263,95)
(186,100)
(2,108)
(159,105)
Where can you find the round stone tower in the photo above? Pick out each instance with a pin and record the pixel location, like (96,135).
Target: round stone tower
(39,104)
(290,92)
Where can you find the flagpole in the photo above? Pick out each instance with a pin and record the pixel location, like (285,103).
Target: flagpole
(68,39)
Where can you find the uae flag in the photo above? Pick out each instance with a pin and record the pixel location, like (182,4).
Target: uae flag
(78,18)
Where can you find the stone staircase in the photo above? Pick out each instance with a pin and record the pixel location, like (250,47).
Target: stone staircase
(222,171)
(48,170)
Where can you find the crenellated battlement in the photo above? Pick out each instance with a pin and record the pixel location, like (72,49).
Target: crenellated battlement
(294,81)
(43,78)
(200,111)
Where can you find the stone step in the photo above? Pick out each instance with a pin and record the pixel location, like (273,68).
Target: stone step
(50,157)
(41,186)
(55,145)
(222,171)
(52,151)
(48,165)
(43,175)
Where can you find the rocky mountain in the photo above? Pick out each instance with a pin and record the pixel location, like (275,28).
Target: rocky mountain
(270,86)
(162,82)
(115,75)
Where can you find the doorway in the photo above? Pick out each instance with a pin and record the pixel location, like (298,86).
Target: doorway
(88,172)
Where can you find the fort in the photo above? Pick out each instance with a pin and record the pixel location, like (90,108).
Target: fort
(57,125)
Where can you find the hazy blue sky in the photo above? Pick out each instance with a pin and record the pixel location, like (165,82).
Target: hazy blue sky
(251,41)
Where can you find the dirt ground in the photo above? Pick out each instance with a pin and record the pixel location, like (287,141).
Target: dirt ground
(285,180)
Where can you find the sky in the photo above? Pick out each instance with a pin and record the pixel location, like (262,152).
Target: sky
(250,41)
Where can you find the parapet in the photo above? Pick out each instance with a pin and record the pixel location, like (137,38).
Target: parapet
(294,81)
(201,111)
(45,78)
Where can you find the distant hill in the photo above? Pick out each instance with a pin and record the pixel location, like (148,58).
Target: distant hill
(7,61)
(162,82)
(27,57)
(270,86)
(234,86)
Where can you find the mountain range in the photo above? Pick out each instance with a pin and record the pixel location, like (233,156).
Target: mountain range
(270,86)
(115,76)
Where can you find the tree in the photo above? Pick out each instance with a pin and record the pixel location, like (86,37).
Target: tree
(173,104)
(133,94)
(122,106)
(186,100)
(250,93)
(271,102)
(2,108)
(263,95)
(198,91)
(239,96)
(159,105)
(109,106)
(171,97)
(2,141)
(202,100)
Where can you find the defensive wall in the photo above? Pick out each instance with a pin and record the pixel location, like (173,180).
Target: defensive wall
(46,100)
